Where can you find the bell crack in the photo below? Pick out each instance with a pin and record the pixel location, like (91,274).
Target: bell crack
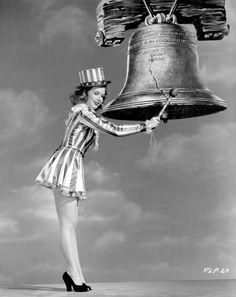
(154,78)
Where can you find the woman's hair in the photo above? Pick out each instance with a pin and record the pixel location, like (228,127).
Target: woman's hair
(79,96)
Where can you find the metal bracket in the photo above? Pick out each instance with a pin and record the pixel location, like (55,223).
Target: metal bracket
(160,17)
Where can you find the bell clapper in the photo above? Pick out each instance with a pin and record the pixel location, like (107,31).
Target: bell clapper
(163,114)
(173,92)
(164,117)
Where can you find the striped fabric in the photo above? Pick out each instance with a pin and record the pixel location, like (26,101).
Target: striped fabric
(92,76)
(64,170)
(89,118)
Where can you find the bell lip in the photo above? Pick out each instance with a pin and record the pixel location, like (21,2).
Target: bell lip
(184,105)
(142,114)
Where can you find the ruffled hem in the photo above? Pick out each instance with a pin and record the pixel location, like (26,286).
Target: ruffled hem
(64,190)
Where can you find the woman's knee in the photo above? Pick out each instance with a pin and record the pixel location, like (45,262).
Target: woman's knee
(68,222)
(67,210)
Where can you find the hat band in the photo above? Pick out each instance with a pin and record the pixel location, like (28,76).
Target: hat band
(95,83)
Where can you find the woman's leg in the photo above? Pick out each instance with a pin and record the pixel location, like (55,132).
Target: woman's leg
(67,210)
(76,256)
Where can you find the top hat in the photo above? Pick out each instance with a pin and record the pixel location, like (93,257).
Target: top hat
(92,78)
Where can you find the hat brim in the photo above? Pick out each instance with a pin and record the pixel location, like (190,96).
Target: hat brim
(103,83)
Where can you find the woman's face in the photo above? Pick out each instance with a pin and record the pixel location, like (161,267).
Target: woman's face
(96,96)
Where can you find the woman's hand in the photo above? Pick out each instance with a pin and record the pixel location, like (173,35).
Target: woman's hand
(152,123)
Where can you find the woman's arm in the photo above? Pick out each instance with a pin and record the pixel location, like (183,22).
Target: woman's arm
(88,117)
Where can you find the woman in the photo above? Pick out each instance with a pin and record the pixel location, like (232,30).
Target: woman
(64,170)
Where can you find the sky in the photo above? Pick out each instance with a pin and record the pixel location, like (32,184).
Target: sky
(152,214)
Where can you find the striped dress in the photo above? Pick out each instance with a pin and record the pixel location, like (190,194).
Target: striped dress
(64,169)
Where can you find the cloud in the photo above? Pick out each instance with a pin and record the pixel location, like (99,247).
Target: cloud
(5,279)
(8,225)
(154,268)
(40,6)
(210,152)
(109,206)
(21,114)
(68,22)
(40,203)
(98,174)
(38,272)
(31,217)
(21,238)
(226,262)
(118,219)
(217,58)
(43,267)
(166,241)
(219,74)
(230,7)
(227,259)
(225,210)
(208,242)
(105,208)
(110,239)
(36,163)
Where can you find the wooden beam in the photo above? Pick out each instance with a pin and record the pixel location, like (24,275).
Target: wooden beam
(114,17)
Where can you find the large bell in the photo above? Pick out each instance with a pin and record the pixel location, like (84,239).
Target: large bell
(162,57)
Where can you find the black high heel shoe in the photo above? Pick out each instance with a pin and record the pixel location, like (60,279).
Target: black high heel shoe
(70,284)
(89,288)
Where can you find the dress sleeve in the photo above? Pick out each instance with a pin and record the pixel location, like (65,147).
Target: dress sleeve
(89,118)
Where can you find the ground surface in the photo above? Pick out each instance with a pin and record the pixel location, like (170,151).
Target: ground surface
(223,288)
